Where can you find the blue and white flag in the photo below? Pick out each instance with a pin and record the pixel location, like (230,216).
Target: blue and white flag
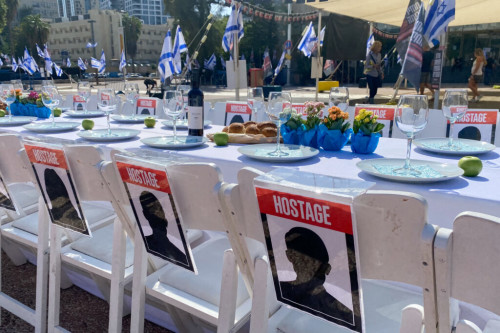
(166,64)
(369,43)
(94,63)
(48,61)
(280,63)
(439,15)
(68,62)
(20,63)
(102,69)
(234,24)
(223,62)
(308,42)
(123,61)
(90,45)
(29,62)
(14,64)
(39,51)
(58,69)
(179,47)
(187,63)
(81,64)
(322,36)
(1,62)
(210,63)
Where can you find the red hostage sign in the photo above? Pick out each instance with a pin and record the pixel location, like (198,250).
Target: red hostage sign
(479,117)
(311,211)
(146,106)
(145,177)
(241,108)
(383,113)
(46,156)
(78,99)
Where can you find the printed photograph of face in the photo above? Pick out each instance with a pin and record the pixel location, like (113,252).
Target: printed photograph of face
(158,224)
(312,269)
(5,200)
(64,207)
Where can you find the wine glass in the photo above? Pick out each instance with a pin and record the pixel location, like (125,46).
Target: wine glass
(184,89)
(8,96)
(339,97)
(454,108)
(131,91)
(106,102)
(51,99)
(18,85)
(279,110)
(255,100)
(84,91)
(173,106)
(410,116)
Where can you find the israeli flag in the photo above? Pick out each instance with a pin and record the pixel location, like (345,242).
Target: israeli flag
(179,47)
(29,62)
(102,69)
(369,43)
(81,64)
(322,36)
(210,63)
(14,65)
(48,61)
(39,51)
(439,15)
(58,70)
(280,63)
(123,61)
(234,23)
(20,63)
(1,62)
(223,62)
(308,41)
(166,64)
(90,45)
(68,62)
(94,63)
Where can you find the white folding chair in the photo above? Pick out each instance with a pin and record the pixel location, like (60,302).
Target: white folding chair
(467,270)
(395,244)
(191,305)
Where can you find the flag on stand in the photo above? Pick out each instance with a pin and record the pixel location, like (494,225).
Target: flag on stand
(329,67)
(90,45)
(223,62)
(58,70)
(29,62)
(308,42)
(210,63)
(267,66)
(81,64)
(20,64)
(102,69)
(39,51)
(439,15)
(14,64)
(407,27)
(166,64)
(322,36)
(123,61)
(48,61)
(369,43)
(412,63)
(68,62)
(280,63)
(179,47)
(94,63)
(234,23)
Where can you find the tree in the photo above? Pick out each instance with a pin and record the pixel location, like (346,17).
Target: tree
(131,31)
(8,42)
(3,14)
(32,30)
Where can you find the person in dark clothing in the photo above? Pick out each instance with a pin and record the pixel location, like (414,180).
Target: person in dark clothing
(309,257)
(158,242)
(373,70)
(150,85)
(426,72)
(489,71)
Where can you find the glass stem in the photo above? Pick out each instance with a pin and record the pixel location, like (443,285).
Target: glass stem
(175,129)
(53,117)
(278,140)
(450,138)
(10,112)
(109,125)
(408,152)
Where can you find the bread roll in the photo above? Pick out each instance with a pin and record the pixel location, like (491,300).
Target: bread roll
(252,129)
(236,128)
(269,132)
(266,124)
(225,129)
(248,123)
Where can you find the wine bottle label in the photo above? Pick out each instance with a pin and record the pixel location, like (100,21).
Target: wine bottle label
(195,119)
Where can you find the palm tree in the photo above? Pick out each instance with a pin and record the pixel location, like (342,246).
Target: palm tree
(33,30)
(131,31)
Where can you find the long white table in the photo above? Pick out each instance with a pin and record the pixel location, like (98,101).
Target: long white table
(445,199)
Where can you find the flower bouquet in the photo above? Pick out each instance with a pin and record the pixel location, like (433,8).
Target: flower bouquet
(290,129)
(30,105)
(334,131)
(308,136)
(366,132)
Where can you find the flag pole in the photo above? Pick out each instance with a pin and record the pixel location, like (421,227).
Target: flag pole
(236,56)
(318,57)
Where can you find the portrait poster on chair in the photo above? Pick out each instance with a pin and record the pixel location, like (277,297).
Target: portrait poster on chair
(56,184)
(155,213)
(78,103)
(311,248)
(237,112)
(5,199)
(146,106)
(477,125)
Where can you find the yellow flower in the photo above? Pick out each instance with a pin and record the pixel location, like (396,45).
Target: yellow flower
(357,118)
(366,120)
(374,121)
(375,117)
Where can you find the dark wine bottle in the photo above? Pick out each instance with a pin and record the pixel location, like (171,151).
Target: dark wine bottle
(195,106)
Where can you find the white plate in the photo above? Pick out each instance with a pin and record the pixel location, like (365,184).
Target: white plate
(83,114)
(138,118)
(46,127)
(295,152)
(431,171)
(183,124)
(100,135)
(467,147)
(183,141)
(16,120)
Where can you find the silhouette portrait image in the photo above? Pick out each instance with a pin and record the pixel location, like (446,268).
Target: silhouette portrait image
(158,242)
(310,260)
(237,119)
(63,212)
(145,111)
(470,132)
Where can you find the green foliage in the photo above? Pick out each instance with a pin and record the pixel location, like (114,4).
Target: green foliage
(366,122)
(131,31)
(30,31)
(3,15)
(295,121)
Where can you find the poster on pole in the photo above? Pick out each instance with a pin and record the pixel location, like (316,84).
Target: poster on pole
(437,69)
(231,74)
(155,213)
(476,124)
(58,189)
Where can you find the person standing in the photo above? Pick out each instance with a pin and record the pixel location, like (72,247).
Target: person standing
(476,74)
(373,70)
(426,72)
(489,75)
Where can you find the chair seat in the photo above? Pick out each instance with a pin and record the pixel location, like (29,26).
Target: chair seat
(383,303)
(25,194)
(206,284)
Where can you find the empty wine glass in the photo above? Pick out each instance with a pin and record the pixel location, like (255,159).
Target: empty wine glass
(84,91)
(173,106)
(255,101)
(8,96)
(339,97)
(18,84)
(184,89)
(410,116)
(51,99)
(106,102)
(131,91)
(279,110)
(454,108)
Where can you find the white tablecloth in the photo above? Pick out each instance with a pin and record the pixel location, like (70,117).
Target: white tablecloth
(445,199)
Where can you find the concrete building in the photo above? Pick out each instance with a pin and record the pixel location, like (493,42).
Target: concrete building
(151,12)
(47,9)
